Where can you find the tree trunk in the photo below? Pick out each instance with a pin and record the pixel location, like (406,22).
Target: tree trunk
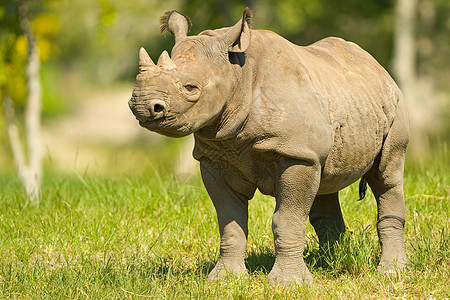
(404,43)
(30,170)
(404,67)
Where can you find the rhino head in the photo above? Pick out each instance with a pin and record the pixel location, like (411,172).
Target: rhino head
(183,94)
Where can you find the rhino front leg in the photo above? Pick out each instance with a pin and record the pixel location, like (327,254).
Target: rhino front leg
(232,216)
(295,193)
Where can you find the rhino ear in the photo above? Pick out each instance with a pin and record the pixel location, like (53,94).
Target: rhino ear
(237,38)
(175,23)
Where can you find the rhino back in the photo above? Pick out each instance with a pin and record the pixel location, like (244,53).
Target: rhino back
(361,100)
(340,104)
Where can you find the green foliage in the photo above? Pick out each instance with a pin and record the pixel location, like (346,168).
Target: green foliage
(152,236)
(14,49)
(12,60)
(304,22)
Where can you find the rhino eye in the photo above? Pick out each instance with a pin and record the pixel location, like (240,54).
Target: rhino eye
(190,87)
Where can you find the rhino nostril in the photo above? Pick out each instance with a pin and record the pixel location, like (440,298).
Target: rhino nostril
(158,108)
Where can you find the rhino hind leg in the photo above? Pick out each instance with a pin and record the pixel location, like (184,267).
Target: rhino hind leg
(390,224)
(385,179)
(326,218)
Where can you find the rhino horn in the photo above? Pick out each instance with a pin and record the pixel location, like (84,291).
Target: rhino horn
(165,62)
(145,62)
(237,38)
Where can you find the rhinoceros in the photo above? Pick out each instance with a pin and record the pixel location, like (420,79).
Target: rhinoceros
(298,123)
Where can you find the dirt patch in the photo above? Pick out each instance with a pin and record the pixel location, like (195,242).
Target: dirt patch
(100,118)
(99,134)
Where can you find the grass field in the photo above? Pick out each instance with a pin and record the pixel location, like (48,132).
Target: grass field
(154,237)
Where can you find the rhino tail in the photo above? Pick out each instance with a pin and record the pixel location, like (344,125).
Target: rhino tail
(362,188)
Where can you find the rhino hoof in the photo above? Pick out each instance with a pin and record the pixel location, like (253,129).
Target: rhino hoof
(290,278)
(222,270)
(392,267)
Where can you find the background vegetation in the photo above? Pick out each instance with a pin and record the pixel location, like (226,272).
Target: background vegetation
(114,222)
(90,47)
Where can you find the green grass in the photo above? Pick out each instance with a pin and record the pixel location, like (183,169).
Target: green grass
(155,237)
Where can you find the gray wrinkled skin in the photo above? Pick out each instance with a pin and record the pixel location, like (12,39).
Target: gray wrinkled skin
(297,123)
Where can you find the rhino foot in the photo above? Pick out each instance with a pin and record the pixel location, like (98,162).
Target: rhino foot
(392,266)
(390,231)
(227,268)
(291,274)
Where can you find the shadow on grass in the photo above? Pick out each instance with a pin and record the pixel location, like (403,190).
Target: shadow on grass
(261,260)
(257,261)
(351,254)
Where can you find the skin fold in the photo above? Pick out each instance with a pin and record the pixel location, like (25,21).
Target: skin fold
(297,123)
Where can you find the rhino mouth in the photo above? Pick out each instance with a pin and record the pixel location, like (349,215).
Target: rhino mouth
(168,125)
(154,124)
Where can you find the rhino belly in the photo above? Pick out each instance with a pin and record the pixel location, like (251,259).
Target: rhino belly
(356,143)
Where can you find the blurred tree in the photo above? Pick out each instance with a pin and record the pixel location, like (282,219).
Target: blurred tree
(305,21)
(11,60)
(417,44)
(405,70)
(28,162)
(99,40)
(14,47)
